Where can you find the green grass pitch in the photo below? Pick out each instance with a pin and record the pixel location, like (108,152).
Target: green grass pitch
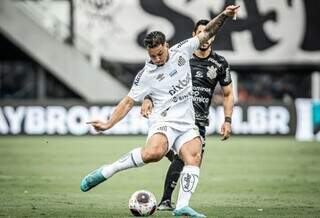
(242,177)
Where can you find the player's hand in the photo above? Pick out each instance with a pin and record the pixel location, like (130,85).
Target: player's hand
(232,10)
(146,108)
(99,125)
(225,131)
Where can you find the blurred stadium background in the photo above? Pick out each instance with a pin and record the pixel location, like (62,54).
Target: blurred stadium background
(63,62)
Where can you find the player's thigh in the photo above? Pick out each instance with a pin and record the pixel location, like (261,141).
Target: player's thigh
(155,148)
(158,140)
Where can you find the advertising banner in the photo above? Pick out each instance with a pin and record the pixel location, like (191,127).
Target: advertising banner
(62,120)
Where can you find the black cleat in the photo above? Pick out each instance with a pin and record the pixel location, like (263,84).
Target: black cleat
(165,206)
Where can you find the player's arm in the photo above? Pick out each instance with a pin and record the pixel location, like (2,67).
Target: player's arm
(228,102)
(214,25)
(121,110)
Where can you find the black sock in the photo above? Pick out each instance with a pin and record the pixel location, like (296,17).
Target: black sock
(172,177)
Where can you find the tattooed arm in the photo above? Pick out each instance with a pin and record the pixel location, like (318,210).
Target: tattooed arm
(214,25)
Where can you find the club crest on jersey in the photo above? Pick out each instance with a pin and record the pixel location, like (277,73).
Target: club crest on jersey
(160,77)
(181,84)
(212,72)
(181,61)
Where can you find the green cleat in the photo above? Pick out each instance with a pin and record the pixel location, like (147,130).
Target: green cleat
(187,211)
(92,180)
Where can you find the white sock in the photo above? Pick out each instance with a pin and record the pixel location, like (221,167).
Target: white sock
(189,179)
(130,160)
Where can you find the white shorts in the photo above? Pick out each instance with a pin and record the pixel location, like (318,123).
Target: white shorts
(176,138)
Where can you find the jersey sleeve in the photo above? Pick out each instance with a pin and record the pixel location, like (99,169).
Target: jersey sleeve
(139,87)
(188,46)
(225,77)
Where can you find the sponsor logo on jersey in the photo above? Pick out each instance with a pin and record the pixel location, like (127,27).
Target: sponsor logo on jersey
(200,99)
(182,97)
(212,72)
(160,77)
(138,77)
(181,61)
(162,128)
(201,89)
(199,74)
(180,86)
(172,73)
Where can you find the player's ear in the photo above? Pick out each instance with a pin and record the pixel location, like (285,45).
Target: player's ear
(167,45)
(193,34)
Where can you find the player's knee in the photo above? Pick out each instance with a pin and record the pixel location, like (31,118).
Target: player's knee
(196,158)
(152,154)
(193,158)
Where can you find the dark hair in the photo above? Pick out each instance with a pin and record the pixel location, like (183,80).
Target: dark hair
(154,39)
(200,23)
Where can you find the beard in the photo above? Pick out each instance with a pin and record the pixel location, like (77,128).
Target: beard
(205,48)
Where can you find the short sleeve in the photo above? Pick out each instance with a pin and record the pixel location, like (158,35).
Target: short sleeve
(188,46)
(139,87)
(225,77)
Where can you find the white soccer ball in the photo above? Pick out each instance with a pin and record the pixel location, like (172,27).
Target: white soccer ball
(142,203)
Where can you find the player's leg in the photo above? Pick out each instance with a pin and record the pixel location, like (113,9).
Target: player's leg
(155,149)
(171,180)
(170,155)
(190,152)
(202,131)
(173,174)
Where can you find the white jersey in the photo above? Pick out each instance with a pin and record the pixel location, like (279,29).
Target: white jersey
(169,86)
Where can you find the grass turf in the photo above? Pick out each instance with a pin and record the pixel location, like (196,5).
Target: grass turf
(242,177)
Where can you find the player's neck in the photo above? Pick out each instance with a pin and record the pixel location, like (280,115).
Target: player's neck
(203,54)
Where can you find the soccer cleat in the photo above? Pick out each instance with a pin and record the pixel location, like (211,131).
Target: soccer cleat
(165,206)
(187,211)
(91,180)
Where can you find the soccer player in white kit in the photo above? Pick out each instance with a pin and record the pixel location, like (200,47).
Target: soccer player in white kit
(166,78)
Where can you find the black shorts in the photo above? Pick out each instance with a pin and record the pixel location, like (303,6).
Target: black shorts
(202,131)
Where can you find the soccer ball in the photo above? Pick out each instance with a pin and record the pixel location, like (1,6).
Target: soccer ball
(142,203)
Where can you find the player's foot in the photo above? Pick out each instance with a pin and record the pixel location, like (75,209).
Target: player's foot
(187,211)
(165,206)
(91,180)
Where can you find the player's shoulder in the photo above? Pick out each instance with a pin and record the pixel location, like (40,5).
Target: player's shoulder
(219,58)
(138,77)
(180,45)
(144,73)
